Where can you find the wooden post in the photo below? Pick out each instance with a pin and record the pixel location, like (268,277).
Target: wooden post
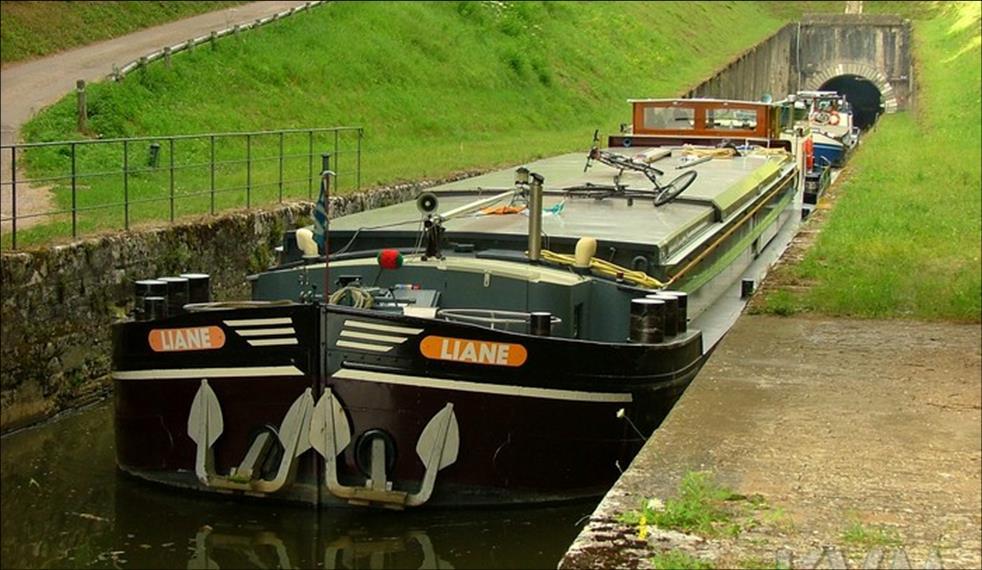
(167,57)
(82,110)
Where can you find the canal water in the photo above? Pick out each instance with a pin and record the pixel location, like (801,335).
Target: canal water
(66,506)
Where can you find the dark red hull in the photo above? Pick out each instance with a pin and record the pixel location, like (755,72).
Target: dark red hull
(548,430)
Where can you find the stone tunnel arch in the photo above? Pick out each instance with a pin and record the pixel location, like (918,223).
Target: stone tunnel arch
(857,82)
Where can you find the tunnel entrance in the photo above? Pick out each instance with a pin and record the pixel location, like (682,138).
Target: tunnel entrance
(863,95)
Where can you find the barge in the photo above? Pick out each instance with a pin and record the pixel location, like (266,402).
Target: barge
(512,338)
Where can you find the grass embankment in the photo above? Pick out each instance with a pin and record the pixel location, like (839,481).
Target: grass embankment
(33,29)
(439,87)
(905,236)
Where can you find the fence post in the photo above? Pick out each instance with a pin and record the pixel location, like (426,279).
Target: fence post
(248,170)
(211,39)
(358,165)
(281,167)
(310,164)
(13,196)
(171,180)
(167,57)
(74,198)
(212,175)
(82,111)
(337,160)
(126,184)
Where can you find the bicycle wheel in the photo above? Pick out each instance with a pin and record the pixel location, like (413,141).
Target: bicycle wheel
(678,185)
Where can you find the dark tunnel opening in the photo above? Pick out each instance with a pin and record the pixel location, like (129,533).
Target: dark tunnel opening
(863,95)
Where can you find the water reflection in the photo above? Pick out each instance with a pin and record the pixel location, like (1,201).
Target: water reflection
(64,505)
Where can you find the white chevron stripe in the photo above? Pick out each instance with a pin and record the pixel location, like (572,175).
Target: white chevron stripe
(370,336)
(273,342)
(383,328)
(266,332)
(363,346)
(258,322)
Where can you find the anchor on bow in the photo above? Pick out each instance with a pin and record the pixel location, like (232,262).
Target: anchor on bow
(205,425)
(325,428)
(437,448)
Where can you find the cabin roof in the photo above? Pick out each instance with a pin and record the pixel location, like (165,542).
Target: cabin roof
(721,188)
(700,100)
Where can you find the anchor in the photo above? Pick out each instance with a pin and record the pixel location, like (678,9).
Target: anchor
(437,448)
(205,426)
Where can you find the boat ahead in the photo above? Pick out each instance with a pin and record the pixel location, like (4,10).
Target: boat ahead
(831,119)
(510,338)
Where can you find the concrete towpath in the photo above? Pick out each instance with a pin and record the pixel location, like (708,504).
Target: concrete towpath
(27,87)
(860,441)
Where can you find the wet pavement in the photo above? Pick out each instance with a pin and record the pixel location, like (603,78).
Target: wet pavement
(66,506)
(834,425)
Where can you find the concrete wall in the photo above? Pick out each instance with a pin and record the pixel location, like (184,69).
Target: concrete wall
(58,303)
(765,68)
(806,55)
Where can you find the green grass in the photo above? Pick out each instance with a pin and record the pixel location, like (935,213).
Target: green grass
(678,560)
(702,507)
(905,237)
(32,29)
(439,88)
(858,534)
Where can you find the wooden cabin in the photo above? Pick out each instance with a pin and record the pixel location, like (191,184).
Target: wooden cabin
(659,122)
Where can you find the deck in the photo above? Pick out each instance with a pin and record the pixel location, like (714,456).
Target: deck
(721,188)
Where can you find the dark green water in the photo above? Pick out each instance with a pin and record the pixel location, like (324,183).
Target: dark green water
(64,505)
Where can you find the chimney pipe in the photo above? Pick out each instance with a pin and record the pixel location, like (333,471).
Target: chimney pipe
(535,217)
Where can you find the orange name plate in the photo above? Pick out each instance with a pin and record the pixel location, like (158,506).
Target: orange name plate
(473,351)
(195,338)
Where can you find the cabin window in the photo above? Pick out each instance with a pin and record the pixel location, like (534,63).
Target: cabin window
(737,119)
(669,118)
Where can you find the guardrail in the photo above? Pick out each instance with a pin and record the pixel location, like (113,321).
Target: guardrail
(97,182)
(166,52)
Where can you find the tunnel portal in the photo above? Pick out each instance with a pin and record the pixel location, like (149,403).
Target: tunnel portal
(863,95)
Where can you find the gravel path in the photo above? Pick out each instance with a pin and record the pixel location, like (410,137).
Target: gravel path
(27,87)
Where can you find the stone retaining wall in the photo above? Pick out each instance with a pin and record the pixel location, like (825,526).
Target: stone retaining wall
(58,302)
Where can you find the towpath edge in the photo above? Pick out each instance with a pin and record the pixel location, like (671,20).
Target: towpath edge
(835,423)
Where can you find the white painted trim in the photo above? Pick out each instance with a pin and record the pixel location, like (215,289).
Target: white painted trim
(171,373)
(273,342)
(376,337)
(266,332)
(363,346)
(461,386)
(383,328)
(257,322)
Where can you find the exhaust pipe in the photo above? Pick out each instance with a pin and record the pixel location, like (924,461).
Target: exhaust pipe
(535,217)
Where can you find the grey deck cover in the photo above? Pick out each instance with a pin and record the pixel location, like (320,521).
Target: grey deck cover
(666,227)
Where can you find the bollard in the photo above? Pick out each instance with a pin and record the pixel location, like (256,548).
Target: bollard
(540,323)
(167,52)
(211,38)
(153,159)
(82,112)
(116,74)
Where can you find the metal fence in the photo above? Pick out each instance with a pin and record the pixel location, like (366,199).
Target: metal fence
(112,184)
